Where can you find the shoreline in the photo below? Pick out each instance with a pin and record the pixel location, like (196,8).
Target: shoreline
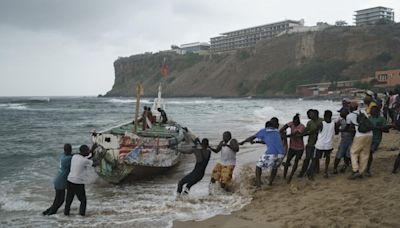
(332,202)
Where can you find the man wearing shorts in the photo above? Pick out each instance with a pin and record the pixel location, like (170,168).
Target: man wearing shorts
(223,170)
(273,156)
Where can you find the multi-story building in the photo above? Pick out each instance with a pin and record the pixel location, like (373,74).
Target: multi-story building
(371,16)
(247,37)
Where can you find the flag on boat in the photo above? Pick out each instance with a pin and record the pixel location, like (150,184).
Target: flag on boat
(164,69)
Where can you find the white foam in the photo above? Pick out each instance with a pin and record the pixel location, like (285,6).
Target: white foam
(14,106)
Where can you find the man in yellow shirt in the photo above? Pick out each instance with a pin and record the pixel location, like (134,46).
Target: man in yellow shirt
(369,102)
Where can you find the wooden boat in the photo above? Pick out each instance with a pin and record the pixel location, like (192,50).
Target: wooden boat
(126,152)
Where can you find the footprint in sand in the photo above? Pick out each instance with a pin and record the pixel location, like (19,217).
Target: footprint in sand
(293,189)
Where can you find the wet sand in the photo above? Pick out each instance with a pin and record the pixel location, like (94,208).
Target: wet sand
(332,202)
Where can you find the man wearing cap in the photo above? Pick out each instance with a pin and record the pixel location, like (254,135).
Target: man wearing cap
(360,148)
(369,101)
(345,104)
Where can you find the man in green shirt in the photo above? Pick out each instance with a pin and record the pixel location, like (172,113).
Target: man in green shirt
(312,131)
(379,126)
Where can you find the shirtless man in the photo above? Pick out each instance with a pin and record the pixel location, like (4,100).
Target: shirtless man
(202,157)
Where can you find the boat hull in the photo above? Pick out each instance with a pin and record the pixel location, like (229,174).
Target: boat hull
(127,157)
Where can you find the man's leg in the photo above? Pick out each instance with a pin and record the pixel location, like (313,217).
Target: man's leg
(183,181)
(226,175)
(374,147)
(273,175)
(306,162)
(313,167)
(327,160)
(58,201)
(70,197)
(291,154)
(296,162)
(258,176)
(364,154)
(216,173)
(81,194)
(396,164)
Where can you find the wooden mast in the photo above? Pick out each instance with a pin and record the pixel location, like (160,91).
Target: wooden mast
(139,92)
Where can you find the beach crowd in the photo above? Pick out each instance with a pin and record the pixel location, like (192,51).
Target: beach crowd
(360,129)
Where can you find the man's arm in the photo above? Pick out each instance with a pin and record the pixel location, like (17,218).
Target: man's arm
(284,128)
(218,149)
(249,139)
(234,145)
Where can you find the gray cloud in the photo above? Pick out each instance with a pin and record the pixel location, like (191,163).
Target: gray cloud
(67,47)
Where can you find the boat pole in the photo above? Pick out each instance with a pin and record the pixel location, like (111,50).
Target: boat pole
(139,92)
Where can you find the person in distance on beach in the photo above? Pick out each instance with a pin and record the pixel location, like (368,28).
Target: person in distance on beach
(80,164)
(324,144)
(273,156)
(202,157)
(296,146)
(60,180)
(223,170)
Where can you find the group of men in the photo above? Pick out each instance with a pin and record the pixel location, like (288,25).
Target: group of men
(360,135)
(71,176)
(148,119)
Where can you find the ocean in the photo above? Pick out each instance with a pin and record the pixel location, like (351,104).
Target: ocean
(34,130)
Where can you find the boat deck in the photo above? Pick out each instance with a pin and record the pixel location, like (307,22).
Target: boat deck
(164,131)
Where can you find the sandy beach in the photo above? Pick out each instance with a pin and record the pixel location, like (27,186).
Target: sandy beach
(332,202)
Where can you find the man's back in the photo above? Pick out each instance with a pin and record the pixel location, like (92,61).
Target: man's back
(272,139)
(79,164)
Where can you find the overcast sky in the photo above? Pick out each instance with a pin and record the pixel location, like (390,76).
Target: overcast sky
(67,48)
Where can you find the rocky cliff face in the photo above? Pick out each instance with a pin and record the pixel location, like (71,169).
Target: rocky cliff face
(274,67)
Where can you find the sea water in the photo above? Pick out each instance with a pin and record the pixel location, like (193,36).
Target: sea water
(33,131)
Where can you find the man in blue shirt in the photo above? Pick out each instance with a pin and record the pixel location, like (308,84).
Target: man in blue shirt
(273,156)
(60,180)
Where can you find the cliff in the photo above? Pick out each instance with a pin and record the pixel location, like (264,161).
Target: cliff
(272,68)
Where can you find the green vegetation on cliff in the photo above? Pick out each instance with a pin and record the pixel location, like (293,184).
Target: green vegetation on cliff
(272,68)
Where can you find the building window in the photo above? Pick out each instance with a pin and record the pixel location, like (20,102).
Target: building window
(382,77)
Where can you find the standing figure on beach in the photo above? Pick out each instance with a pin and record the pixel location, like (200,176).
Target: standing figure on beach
(360,149)
(60,180)
(273,156)
(324,144)
(312,132)
(202,157)
(296,146)
(164,118)
(346,139)
(223,170)
(379,126)
(80,164)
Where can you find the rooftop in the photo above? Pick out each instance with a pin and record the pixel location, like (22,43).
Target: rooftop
(378,7)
